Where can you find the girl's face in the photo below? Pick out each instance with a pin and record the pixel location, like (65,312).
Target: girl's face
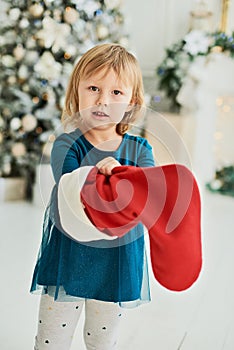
(103,99)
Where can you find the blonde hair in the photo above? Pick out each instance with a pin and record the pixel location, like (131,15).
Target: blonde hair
(106,57)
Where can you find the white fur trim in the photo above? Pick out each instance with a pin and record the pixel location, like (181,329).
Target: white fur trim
(72,216)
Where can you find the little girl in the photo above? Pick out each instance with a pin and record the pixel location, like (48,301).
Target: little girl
(104,97)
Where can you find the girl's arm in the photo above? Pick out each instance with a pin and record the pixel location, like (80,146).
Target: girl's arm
(64,156)
(70,177)
(145,155)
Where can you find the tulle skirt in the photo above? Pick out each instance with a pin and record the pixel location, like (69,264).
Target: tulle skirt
(111,271)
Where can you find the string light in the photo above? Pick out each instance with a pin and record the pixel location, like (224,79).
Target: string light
(35,99)
(45,96)
(51,138)
(39,130)
(219,101)
(226,108)
(217,49)
(218,135)
(67,55)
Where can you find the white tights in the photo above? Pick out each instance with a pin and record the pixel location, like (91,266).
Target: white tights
(58,320)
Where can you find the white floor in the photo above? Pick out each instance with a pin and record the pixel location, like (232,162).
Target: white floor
(201,318)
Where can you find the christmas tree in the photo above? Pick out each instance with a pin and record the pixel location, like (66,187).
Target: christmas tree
(40,42)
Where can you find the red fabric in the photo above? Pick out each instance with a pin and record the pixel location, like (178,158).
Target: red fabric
(167,201)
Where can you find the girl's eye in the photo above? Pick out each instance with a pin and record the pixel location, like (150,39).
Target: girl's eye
(93,88)
(117,92)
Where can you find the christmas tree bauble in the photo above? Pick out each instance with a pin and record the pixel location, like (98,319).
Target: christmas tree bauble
(23,72)
(31,56)
(24,23)
(47,67)
(15,123)
(8,61)
(29,122)
(18,149)
(14,14)
(19,52)
(36,10)
(12,80)
(70,15)
(102,32)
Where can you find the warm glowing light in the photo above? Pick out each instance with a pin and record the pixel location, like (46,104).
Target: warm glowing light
(35,99)
(218,135)
(45,96)
(219,101)
(51,138)
(226,108)
(39,130)
(217,49)
(67,55)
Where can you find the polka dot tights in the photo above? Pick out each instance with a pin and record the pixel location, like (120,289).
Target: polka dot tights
(58,321)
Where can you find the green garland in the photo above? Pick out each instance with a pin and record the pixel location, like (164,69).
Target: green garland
(223,181)
(172,72)
(173,69)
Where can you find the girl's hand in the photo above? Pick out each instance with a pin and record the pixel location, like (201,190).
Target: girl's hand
(106,165)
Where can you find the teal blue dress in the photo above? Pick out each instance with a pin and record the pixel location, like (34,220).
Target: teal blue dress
(111,271)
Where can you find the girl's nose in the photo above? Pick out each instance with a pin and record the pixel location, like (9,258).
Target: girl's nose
(102,99)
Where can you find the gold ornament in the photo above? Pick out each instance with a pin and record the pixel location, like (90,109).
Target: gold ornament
(102,32)
(39,130)
(67,56)
(70,15)
(35,99)
(12,80)
(36,10)
(29,122)
(19,52)
(18,149)
(23,72)
(217,49)
(51,138)
(57,15)
(25,88)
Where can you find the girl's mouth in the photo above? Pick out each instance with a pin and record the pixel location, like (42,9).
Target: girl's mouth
(100,115)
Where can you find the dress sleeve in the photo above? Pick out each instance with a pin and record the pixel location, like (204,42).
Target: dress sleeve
(65,156)
(145,157)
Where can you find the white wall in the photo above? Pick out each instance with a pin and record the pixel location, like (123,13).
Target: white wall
(156,24)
